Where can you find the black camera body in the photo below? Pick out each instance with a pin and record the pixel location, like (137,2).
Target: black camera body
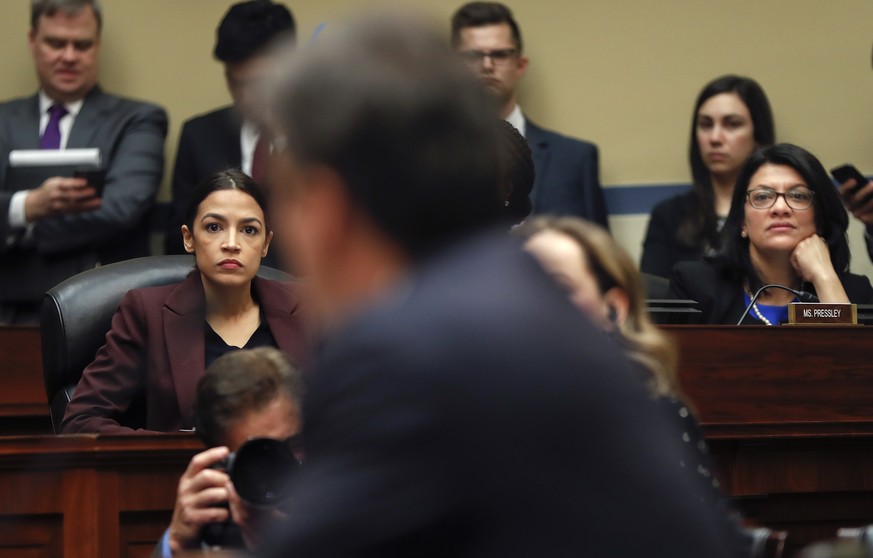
(261,471)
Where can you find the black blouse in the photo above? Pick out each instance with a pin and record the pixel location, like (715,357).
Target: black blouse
(216,347)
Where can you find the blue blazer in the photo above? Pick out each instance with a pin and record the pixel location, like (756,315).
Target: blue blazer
(567,176)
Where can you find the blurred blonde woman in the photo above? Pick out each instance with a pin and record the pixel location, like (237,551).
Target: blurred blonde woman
(602,280)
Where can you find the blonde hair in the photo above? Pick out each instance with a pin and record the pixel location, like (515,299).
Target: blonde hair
(610,263)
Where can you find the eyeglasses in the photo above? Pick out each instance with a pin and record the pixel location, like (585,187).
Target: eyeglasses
(499,57)
(765,198)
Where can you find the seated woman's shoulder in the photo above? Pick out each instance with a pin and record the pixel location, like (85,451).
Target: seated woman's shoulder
(679,204)
(702,269)
(858,288)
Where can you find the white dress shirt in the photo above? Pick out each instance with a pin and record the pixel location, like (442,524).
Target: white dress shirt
(17,219)
(516,118)
(248,140)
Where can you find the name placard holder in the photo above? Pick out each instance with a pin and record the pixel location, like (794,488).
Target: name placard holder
(820,313)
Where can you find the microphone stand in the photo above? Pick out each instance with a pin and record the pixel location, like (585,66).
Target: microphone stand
(802,295)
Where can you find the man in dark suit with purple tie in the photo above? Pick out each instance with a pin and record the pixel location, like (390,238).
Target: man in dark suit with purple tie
(53,229)
(230,136)
(567,180)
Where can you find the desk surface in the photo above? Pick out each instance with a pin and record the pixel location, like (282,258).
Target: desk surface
(758,381)
(23,394)
(88,495)
(788,412)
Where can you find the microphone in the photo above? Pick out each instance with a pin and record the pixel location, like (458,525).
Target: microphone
(802,295)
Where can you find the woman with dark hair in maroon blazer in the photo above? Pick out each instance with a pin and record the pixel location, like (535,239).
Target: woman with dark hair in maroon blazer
(162,338)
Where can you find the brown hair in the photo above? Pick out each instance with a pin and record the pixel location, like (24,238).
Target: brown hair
(49,8)
(239,382)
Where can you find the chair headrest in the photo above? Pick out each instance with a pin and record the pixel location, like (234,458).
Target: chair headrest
(77,313)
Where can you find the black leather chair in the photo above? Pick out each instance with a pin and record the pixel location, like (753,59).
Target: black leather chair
(657,288)
(77,313)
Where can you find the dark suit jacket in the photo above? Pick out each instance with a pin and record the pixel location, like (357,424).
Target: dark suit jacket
(661,247)
(868,240)
(476,412)
(130,135)
(145,376)
(567,176)
(720,296)
(208,143)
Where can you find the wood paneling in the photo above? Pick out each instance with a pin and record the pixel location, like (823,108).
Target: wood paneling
(788,414)
(31,536)
(23,407)
(88,495)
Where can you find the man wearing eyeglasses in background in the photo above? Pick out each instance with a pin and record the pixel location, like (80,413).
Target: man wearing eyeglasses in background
(567,182)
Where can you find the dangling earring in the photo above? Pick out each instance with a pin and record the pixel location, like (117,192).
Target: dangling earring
(744,234)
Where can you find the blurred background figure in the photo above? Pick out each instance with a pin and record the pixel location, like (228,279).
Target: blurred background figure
(786,226)
(859,200)
(163,338)
(243,395)
(731,118)
(232,136)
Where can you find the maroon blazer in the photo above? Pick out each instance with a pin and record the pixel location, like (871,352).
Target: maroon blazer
(145,377)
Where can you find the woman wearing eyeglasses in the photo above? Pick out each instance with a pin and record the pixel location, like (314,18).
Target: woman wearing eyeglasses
(786,226)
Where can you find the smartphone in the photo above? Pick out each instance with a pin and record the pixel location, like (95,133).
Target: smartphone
(845,172)
(95,177)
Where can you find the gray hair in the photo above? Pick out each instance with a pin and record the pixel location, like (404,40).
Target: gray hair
(49,8)
(387,104)
(240,382)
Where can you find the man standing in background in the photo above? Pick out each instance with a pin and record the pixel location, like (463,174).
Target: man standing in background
(231,136)
(57,227)
(488,38)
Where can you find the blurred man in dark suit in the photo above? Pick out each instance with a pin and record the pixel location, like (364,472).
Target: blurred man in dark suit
(459,404)
(231,136)
(567,181)
(53,229)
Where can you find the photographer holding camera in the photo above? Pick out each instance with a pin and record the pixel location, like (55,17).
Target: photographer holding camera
(248,412)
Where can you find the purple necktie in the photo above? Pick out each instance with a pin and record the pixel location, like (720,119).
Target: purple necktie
(51,137)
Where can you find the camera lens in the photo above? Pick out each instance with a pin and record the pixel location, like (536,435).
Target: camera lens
(262,471)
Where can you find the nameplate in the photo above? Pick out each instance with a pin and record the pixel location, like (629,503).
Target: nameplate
(819,313)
